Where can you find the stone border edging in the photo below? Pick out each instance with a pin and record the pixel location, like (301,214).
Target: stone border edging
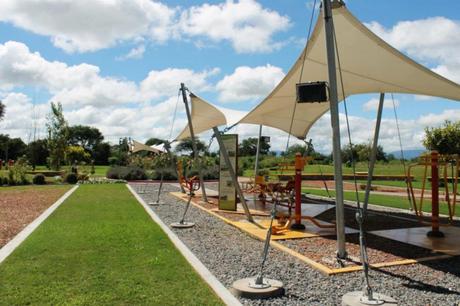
(8,248)
(222,292)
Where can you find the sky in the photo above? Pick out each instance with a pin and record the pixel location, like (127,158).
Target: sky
(117,64)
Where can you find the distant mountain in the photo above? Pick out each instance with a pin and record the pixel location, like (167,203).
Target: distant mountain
(408,154)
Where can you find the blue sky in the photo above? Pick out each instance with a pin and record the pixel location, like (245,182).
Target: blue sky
(117,65)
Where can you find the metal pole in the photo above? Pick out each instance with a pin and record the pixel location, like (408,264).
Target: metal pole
(159,188)
(256,166)
(192,135)
(232,171)
(435,232)
(334,106)
(167,147)
(299,164)
(362,213)
(373,156)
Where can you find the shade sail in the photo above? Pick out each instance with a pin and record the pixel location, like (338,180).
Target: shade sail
(137,146)
(205,116)
(368,65)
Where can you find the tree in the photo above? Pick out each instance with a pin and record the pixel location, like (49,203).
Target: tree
(292,150)
(11,148)
(154,141)
(305,150)
(361,153)
(37,152)
(444,139)
(58,134)
(248,147)
(185,146)
(85,136)
(76,154)
(2,110)
(101,153)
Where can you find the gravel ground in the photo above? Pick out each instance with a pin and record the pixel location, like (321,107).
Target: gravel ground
(19,207)
(230,255)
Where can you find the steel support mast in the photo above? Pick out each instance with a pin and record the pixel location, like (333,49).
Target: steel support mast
(192,135)
(334,106)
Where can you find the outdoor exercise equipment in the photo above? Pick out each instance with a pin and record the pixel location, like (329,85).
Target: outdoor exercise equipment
(438,163)
(185,182)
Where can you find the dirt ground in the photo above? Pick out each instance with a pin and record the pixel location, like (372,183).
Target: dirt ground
(19,206)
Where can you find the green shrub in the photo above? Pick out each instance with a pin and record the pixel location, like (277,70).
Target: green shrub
(4,180)
(39,179)
(264,172)
(113,160)
(209,173)
(129,173)
(168,175)
(11,180)
(71,178)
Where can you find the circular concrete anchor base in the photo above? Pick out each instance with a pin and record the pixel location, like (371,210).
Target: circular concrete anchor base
(242,288)
(356,298)
(182,225)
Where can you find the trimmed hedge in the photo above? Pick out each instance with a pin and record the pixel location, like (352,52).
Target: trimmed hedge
(130,173)
(71,178)
(39,179)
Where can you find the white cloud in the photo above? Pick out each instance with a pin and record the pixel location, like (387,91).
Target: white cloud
(372,104)
(247,83)
(247,25)
(21,116)
(73,85)
(82,84)
(134,53)
(435,39)
(165,82)
(362,130)
(89,25)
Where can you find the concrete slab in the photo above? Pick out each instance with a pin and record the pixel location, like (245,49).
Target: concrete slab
(450,244)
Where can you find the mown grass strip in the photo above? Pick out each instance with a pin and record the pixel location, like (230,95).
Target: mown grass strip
(100,248)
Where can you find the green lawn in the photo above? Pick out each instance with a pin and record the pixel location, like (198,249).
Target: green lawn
(416,184)
(383,200)
(99,170)
(391,168)
(100,248)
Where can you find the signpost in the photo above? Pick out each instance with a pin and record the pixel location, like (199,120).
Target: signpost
(227,189)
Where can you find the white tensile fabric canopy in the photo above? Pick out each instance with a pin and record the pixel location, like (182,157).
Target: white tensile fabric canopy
(137,146)
(368,65)
(205,116)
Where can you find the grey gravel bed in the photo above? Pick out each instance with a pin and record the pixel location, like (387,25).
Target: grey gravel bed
(230,255)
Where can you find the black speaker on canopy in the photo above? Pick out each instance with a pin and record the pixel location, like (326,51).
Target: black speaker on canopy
(312,92)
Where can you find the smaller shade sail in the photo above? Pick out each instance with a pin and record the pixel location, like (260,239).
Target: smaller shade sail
(368,65)
(137,146)
(205,116)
